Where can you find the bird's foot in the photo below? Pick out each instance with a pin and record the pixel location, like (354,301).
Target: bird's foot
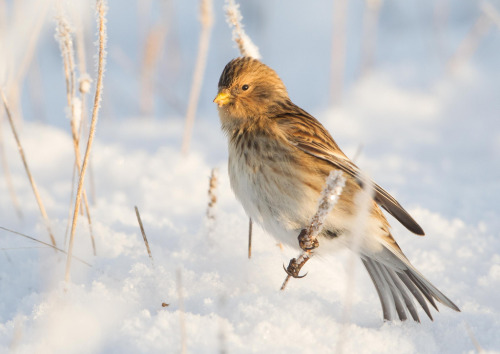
(306,242)
(294,268)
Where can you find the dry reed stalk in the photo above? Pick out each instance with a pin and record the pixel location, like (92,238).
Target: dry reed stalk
(370,24)
(153,47)
(250,227)
(14,86)
(211,214)
(77,168)
(101,9)
(144,235)
(28,172)
(471,41)
(338,50)
(473,339)
(364,204)
(182,320)
(8,177)
(212,194)
(43,243)
(329,196)
(70,210)
(244,43)
(84,87)
(84,84)
(207,20)
(64,32)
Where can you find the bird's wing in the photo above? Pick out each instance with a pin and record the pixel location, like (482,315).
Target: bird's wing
(307,134)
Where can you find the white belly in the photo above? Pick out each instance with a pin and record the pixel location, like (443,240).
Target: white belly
(272,197)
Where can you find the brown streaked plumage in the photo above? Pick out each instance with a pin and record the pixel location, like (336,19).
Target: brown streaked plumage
(279,158)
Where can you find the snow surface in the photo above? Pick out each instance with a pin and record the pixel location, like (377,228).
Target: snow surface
(430,138)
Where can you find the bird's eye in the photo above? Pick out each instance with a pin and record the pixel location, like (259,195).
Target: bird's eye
(244,87)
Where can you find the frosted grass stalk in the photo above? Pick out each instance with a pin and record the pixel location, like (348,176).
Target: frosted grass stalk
(335,183)
(330,194)
(64,35)
(101,19)
(245,45)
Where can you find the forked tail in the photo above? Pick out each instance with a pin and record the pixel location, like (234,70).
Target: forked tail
(397,283)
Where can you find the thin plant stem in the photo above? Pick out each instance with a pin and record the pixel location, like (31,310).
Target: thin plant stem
(199,71)
(473,339)
(28,172)
(144,235)
(153,48)
(308,241)
(68,54)
(250,227)
(245,45)
(8,177)
(212,202)
(14,86)
(101,11)
(471,41)
(70,209)
(44,243)
(212,193)
(84,86)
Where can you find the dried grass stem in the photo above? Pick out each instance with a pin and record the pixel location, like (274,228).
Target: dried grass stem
(26,167)
(101,12)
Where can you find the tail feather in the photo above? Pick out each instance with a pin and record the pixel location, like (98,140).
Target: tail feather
(408,300)
(398,283)
(380,286)
(396,295)
(423,288)
(379,283)
(415,292)
(436,294)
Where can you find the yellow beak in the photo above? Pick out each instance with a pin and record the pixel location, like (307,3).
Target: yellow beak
(222,98)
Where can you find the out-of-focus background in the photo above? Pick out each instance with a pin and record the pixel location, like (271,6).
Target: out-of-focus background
(426,48)
(411,88)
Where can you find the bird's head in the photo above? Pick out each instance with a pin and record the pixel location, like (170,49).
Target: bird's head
(247,89)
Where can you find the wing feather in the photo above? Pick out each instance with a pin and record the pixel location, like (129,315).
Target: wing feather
(307,134)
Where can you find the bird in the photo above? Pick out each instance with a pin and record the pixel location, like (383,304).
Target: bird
(279,157)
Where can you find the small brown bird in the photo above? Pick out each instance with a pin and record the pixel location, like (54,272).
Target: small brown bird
(279,158)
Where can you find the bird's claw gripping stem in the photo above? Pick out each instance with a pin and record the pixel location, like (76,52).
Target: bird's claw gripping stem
(306,242)
(294,267)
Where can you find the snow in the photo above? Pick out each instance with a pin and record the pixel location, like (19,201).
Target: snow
(431,138)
